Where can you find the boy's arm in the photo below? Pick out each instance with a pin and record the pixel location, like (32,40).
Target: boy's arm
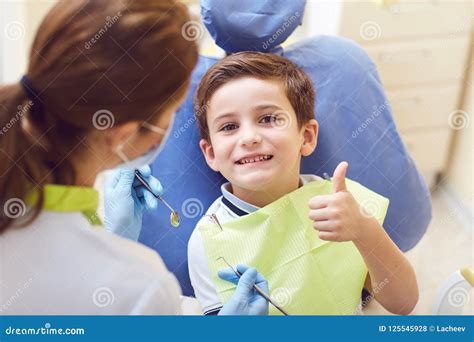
(339,217)
(392,279)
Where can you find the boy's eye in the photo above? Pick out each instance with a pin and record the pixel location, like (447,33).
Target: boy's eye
(269,118)
(228,127)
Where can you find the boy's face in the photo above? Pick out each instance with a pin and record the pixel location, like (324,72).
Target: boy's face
(255,141)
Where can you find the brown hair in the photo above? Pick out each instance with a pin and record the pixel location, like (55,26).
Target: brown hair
(126,57)
(298,86)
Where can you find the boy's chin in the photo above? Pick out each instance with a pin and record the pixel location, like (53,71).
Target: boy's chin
(253,182)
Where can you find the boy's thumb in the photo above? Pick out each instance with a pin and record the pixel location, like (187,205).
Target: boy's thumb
(339,177)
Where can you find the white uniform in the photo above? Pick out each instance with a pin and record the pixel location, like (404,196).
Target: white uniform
(61,264)
(226,208)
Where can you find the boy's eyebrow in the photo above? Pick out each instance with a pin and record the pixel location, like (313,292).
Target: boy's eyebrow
(222,116)
(267,106)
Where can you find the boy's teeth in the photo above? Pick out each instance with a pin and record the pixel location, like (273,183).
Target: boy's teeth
(253,160)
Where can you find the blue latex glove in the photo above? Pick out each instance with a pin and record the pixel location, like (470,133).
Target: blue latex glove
(245,300)
(125,200)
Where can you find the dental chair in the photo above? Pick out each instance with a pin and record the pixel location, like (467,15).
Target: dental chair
(355,118)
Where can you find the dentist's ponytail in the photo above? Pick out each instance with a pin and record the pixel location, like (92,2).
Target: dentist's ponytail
(124,59)
(16,161)
(27,159)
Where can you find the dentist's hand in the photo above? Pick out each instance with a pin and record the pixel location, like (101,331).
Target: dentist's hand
(245,300)
(125,200)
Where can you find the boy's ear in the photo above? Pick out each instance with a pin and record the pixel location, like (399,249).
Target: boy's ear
(208,151)
(310,137)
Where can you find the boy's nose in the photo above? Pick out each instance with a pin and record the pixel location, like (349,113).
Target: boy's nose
(250,137)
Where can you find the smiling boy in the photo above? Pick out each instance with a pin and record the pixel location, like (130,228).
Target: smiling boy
(256,118)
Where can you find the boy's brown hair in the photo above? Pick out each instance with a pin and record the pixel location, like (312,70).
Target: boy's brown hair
(298,86)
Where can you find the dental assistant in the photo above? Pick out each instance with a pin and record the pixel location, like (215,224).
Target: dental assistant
(103,82)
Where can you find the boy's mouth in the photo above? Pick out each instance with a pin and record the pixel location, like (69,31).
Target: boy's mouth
(254,159)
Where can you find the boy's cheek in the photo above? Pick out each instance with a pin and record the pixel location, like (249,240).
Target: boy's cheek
(220,161)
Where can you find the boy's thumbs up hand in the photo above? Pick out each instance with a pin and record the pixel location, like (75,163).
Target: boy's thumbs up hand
(339,177)
(338,216)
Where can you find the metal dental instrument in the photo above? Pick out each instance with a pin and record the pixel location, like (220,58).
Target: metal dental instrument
(214,218)
(174,216)
(326,176)
(256,288)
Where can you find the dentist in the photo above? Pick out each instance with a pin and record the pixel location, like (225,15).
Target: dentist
(103,82)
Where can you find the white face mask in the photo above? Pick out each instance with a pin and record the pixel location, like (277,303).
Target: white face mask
(149,156)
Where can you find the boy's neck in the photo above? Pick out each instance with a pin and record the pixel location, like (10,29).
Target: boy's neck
(261,198)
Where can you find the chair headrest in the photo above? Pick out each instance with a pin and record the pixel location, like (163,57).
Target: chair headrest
(246,25)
